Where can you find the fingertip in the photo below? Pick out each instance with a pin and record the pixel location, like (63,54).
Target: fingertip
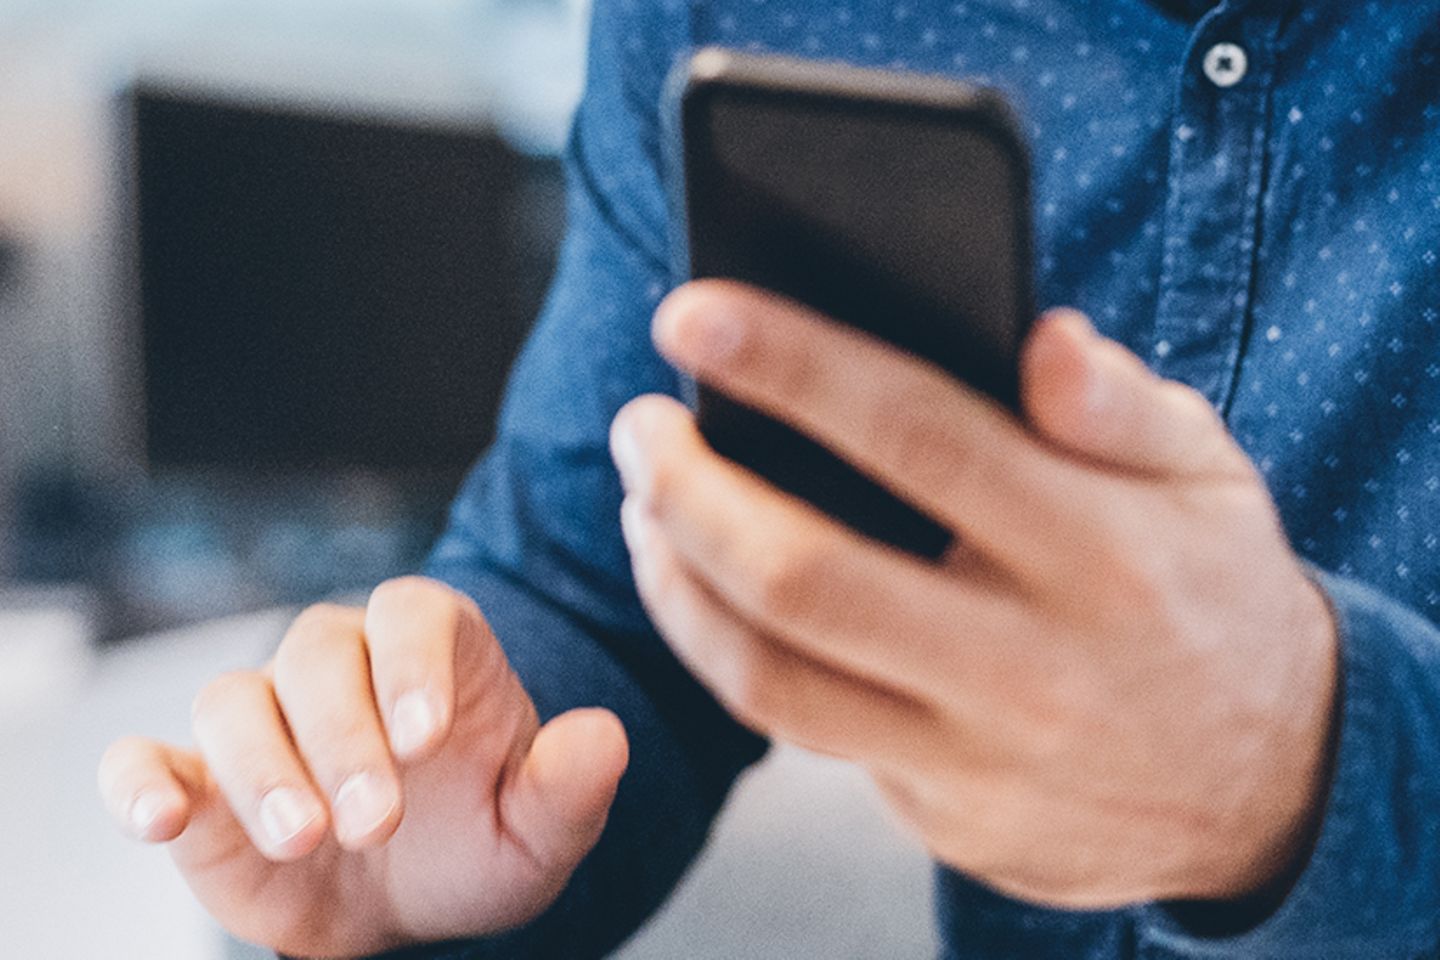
(1060,335)
(1060,389)
(625,443)
(143,786)
(561,797)
(673,312)
(644,411)
(704,293)
(1077,321)
(668,316)
(608,744)
(581,754)
(701,324)
(1094,397)
(645,427)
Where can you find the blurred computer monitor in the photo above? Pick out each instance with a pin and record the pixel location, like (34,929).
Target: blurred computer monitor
(323,291)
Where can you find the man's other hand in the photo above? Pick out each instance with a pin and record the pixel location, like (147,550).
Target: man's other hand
(383,780)
(1117,687)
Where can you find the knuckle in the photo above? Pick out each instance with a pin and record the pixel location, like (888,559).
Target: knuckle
(1129,586)
(626,419)
(1192,402)
(410,589)
(1114,546)
(786,581)
(913,445)
(915,810)
(316,641)
(749,686)
(218,697)
(1212,444)
(124,749)
(118,760)
(316,620)
(1142,591)
(901,797)
(1133,579)
(794,375)
(446,610)
(1056,716)
(940,453)
(983,846)
(450,621)
(343,739)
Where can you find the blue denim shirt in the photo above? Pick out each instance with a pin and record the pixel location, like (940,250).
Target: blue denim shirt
(1261,221)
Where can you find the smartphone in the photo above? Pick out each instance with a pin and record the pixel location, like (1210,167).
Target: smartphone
(897,203)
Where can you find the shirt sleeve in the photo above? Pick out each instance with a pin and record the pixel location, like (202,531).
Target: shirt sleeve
(1371,887)
(534,534)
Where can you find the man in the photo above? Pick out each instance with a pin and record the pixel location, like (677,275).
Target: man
(1178,694)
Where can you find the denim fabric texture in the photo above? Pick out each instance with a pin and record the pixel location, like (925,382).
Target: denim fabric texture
(1264,227)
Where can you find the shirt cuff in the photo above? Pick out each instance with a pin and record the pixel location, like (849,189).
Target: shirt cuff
(1371,886)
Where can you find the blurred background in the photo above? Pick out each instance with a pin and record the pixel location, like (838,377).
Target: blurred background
(264,265)
(214,217)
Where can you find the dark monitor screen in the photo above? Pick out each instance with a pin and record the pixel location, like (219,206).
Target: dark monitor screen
(321,291)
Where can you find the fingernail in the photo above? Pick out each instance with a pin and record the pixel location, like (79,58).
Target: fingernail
(412,722)
(363,802)
(629,522)
(144,811)
(625,447)
(285,813)
(636,527)
(702,337)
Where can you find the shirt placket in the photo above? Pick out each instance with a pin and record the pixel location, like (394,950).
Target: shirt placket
(1214,194)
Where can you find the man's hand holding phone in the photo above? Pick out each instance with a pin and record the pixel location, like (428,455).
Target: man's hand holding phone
(1119,684)
(383,780)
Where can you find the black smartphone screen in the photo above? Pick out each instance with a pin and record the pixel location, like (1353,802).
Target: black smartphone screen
(897,204)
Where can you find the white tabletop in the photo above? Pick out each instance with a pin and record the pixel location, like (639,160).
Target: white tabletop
(71,885)
(804,863)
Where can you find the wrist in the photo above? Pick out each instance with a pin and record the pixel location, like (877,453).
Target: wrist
(1267,844)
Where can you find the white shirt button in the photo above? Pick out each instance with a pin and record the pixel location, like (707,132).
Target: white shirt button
(1225,64)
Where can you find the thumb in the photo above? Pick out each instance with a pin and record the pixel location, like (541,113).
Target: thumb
(558,801)
(1096,399)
